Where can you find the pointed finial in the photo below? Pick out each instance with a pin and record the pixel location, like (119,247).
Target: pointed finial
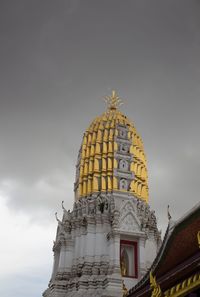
(154,286)
(57,219)
(56,216)
(63,205)
(168,213)
(152,280)
(113,101)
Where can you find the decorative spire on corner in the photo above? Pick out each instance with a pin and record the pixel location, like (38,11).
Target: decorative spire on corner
(113,101)
(168,214)
(57,219)
(156,290)
(63,205)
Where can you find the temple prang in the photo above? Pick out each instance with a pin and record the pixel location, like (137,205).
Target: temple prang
(109,242)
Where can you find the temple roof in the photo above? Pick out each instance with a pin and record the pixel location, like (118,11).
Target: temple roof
(178,255)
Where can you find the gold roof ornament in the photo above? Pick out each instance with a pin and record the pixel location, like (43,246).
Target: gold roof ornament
(185,287)
(113,101)
(156,290)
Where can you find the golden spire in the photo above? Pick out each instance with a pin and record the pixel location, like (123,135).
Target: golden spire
(113,101)
(98,161)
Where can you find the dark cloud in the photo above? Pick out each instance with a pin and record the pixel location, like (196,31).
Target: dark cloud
(58,59)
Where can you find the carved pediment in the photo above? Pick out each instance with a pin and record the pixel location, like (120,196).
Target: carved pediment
(129,223)
(128,219)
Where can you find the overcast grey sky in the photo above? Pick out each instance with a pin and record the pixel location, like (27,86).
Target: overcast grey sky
(57,60)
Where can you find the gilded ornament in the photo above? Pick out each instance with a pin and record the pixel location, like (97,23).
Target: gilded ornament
(185,287)
(156,290)
(113,101)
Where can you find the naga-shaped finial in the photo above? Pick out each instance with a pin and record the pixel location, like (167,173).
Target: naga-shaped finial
(156,290)
(168,213)
(66,212)
(57,219)
(113,101)
(63,205)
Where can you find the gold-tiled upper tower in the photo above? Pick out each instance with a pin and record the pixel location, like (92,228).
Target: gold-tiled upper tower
(111,157)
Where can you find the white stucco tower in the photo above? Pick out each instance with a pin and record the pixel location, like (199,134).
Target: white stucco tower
(110,238)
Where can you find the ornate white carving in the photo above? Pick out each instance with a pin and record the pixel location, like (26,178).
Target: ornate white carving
(129,223)
(88,240)
(123,164)
(128,219)
(123,184)
(124,148)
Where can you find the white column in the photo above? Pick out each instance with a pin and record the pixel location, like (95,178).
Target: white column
(141,257)
(111,254)
(62,257)
(68,255)
(55,264)
(90,244)
(116,239)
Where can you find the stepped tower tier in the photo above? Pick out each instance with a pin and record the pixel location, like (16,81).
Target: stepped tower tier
(111,157)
